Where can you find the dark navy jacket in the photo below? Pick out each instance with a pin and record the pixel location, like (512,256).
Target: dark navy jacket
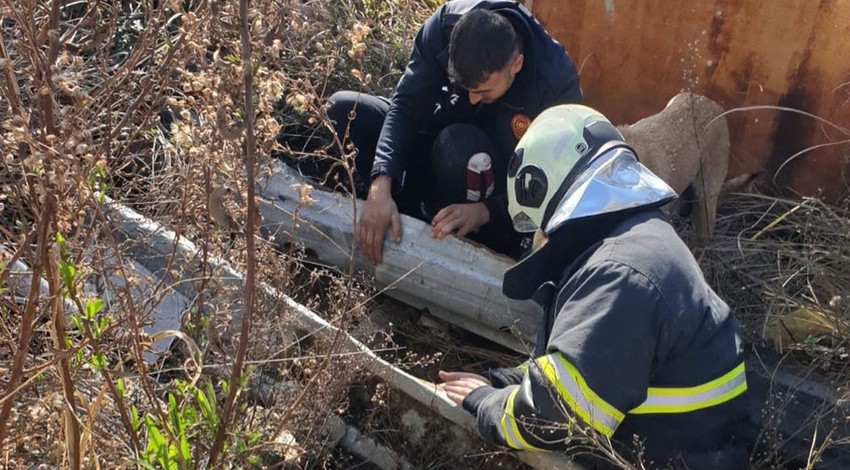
(425,101)
(633,343)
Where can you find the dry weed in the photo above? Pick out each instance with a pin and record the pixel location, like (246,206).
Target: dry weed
(162,107)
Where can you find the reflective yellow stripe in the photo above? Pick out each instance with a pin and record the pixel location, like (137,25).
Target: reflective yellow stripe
(683,400)
(573,389)
(510,429)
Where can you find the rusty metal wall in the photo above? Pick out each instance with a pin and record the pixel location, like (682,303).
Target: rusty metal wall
(634,55)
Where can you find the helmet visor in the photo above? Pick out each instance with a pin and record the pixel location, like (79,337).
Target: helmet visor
(615,182)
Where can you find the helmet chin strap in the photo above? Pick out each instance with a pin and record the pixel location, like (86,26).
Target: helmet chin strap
(539,241)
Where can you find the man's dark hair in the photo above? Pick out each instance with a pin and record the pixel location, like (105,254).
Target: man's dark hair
(482,42)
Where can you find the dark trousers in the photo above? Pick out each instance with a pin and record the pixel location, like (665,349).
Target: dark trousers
(440,172)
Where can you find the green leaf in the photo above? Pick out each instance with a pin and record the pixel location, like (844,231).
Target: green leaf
(172,457)
(253,437)
(98,361)
(101,327)
(154,436)
(241,447)
(143,463)
(93,307)
(78,358)
(207,405)
(174,415)
(119,384)
(190,416)
(78,324)
(67,271)
(134,418)
(185,451)
(182,386)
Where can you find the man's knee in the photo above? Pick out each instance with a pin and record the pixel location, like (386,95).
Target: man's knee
(340,104)
(358,118)
(352,106)
(462,158)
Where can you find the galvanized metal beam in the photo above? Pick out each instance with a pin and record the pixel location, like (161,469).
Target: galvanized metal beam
(163,248)
(456,279)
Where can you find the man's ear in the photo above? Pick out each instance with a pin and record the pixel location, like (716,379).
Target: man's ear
(516,66)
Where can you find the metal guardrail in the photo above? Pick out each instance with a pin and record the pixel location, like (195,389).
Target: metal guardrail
(455,279)
(162,248)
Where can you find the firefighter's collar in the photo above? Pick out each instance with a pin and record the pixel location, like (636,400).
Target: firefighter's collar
(524,279)
(567,246)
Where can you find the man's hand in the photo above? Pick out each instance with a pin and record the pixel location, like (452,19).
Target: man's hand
(461,218)
(458,385)
(379,212)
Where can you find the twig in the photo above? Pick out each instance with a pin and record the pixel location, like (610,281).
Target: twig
(57,330)
(29,316)
(250,248)
(776,221)
(782,108)
(804,151)
(110,383)
(13,93)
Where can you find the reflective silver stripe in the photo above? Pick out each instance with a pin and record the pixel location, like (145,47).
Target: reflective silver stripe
(573,389)
(510,427)
(683,400)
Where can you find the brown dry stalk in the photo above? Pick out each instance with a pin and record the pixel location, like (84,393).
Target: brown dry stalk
(250,248)
(57,331)
(30,314)
(110,383)
(72,427)
(45,222)
(292,407)
(13,94)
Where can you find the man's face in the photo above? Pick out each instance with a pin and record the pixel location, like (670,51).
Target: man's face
(497,84)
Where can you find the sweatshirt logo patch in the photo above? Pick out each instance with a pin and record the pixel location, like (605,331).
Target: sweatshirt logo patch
(519,124)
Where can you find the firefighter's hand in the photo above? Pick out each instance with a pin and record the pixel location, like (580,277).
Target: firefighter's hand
(458,385)
(379,213)
(462,219)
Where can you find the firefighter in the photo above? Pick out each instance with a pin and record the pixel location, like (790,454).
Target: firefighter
(479,72)
(633,344)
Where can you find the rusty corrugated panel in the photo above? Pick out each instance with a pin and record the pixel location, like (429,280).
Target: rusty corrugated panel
(635,55)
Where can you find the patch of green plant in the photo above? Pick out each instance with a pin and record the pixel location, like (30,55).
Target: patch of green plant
(191,415)
(97,182)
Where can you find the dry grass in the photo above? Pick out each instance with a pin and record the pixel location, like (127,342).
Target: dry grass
(163,107)
(775,260)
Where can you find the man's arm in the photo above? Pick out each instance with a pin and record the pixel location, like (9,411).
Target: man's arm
(413,100)
(596,369)
(379,212)
(413,96)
